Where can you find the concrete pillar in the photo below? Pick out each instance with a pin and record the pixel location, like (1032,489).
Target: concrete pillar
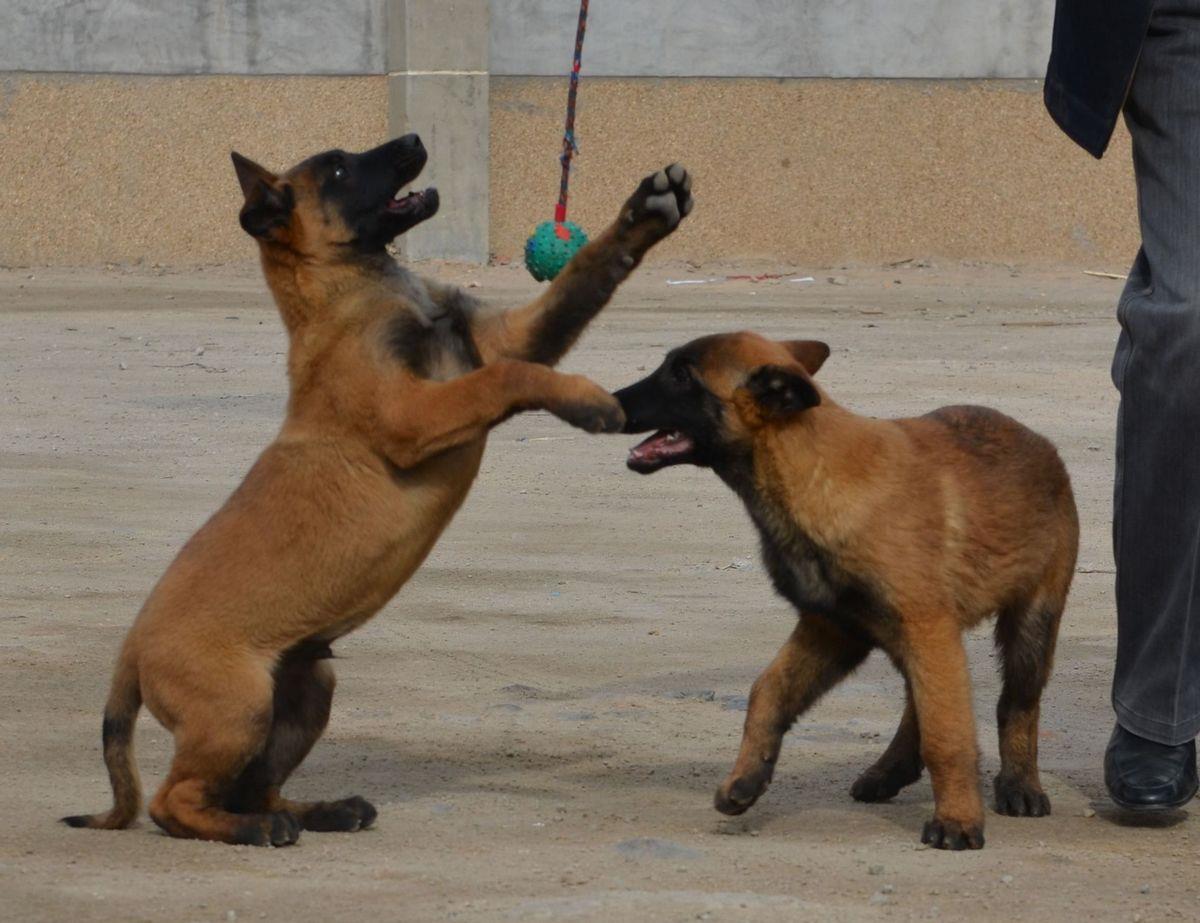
(437,60)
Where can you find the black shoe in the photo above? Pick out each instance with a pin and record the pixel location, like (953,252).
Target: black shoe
(1142,775)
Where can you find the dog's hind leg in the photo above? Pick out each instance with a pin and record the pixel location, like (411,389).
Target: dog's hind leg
(814,659)
(899,766)
(1026,634)
(304,684)
(220,731)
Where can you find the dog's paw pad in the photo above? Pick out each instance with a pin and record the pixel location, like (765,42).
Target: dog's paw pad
(664,198)
(667,206)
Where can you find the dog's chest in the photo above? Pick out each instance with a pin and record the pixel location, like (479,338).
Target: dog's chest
(799,570)
(809,577)
(436,344)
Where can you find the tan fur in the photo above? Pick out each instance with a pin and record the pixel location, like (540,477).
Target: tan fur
(949,518)
(373,459)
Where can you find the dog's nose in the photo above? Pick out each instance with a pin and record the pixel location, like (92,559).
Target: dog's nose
(626,397)
(410,141)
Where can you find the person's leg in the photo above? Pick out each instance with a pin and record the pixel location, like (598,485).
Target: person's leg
(1156,518)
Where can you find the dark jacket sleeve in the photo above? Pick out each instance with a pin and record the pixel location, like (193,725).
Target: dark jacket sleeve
(1092,59)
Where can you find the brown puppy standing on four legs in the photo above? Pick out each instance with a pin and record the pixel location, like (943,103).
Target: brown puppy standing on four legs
(895,534)
(395,382)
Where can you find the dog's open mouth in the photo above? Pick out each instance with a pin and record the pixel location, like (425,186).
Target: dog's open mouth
(664,448)
(414,202)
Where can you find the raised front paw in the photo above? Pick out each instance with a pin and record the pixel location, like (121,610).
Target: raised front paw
(661,201)
(591,408)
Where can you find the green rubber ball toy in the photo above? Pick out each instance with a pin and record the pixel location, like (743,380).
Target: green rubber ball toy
(551,247)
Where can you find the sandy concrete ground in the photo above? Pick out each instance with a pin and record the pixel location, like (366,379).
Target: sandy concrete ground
(544,712)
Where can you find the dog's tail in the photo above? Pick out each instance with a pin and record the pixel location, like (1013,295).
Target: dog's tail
(120,713)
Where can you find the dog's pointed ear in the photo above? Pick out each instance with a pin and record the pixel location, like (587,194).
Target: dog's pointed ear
(809,353)
(250,174)
(268,205)
(780,390)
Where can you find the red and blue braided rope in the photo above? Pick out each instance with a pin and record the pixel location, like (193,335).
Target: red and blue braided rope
(569,145)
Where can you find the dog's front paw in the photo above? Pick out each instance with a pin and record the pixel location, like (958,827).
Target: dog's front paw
(739,792)
(952,834)
(593,411)
(661,201)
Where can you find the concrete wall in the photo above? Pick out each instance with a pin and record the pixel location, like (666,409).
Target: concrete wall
(149,138)
(438,87)
(810,173)
(628,38)
(776,38)
(120,169)
(193,36)
(116,118)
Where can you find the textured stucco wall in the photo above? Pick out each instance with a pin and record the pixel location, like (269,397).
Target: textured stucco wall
(776,38)
(136,169)
(806,172)
(813,172)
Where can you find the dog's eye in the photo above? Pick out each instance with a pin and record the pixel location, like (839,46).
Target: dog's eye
(681,374)
(339,173)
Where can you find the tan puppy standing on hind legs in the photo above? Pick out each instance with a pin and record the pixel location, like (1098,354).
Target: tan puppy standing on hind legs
(395,382)
(895,534)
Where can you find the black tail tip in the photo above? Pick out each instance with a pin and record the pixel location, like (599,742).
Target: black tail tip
(78,820)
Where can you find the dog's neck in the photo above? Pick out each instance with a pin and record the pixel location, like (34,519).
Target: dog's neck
(809,472)
(305,289)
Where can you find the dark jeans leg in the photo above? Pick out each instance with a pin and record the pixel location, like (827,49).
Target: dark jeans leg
(1156,517)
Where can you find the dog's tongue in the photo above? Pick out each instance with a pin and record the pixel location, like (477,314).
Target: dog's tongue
(663,448)
(410,201)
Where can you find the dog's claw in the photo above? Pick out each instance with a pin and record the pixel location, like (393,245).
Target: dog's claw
(279,828)
(952,835)
(1019,798)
